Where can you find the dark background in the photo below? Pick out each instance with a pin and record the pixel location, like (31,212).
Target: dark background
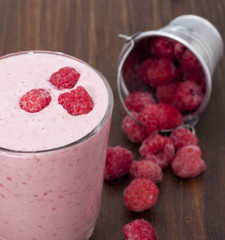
(88,29)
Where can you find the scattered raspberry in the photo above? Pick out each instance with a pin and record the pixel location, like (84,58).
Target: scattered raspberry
(158,71)
(166,47)
(166,92)
(35,100)
(160,146)
(152,118)
(66,77)
(136,101)
(188,162)
(189,62)
(134,131)
(187,97)
(140,195)
(146,169)
(139,229)
(76,102)
(182,137)
(173,117)
(118,161)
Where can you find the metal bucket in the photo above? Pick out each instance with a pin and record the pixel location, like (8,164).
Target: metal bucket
(195,33)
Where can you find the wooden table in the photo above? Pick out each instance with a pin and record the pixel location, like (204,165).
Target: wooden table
(88,29)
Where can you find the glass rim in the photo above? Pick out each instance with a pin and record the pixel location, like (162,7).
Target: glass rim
(94,131)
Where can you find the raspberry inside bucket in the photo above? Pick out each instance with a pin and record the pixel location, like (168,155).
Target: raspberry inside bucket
(169,72)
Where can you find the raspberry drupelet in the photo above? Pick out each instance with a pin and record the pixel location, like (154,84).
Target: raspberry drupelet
(118,161)
(141,194)
(156,72)
(173,117)
(146,169)
(182,136)
(166,47)
(66,77)
(137,100)
(187,96)
(135,132)
(139,229)
(76,102)
(152,118)
(188,162)
(160,146)
(35,100)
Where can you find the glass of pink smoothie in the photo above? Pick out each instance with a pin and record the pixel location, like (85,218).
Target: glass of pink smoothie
(51,163)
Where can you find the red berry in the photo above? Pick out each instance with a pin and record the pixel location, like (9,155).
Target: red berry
(139,229)
(165,92)
(173,117)
(134,131)
(187,97)
(140,195)
(196,76)
(76,102)
(162,47)
(188,162)
(146,169)
(189,62)
(158,71)
(136,101)
(35,100)
(152,118)
(66,77)
(166,47)
(118,161)
(182,137)
(160,146)
(179,49)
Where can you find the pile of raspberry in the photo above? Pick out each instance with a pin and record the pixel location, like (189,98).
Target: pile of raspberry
(179,150)
(178,83)
(76,102)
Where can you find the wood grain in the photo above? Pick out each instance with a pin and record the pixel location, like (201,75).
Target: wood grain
(88,29)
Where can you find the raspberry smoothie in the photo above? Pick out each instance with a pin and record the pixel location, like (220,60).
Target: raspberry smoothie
(51,162)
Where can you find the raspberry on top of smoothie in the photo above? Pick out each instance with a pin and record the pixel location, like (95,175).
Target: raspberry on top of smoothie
(38,112)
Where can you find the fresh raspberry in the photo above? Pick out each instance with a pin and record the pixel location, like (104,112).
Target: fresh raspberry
(139,229)
(188,62)
(140,195)
(156,72)
(188,162)
(76,102)
(173,117)
(118,161)
(146,169)
(136,101)
(66,77)
(182,137)
(160,146)
(134,131)
(166,47)
(152,118)
(196,76)
(179,49)
(162,47)
(35,100)
(165,92)
(187,97)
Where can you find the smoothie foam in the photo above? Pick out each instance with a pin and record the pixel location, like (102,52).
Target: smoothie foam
(53,194)
(53,126)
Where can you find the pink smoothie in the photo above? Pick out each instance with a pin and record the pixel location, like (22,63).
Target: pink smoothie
(51,163)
